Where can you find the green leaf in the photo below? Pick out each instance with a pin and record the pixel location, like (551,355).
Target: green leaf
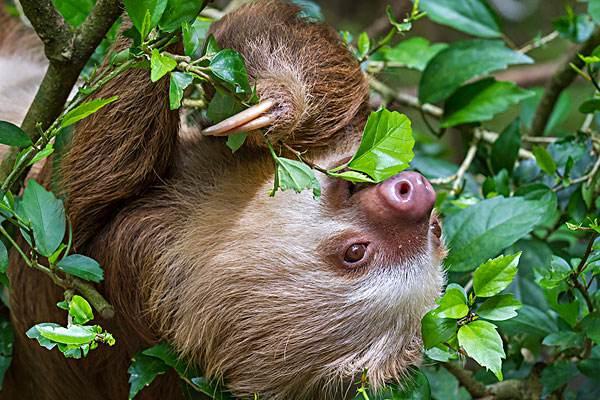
(352,176)
(194,34)
(46,214)
(505,150)
(45,153)
(34,333)
(235,141)
(386,147)
(178,12)
(577,28)
(137,9)
(229,67)
(75,334)
(499,308)
(363,45)
(556,375)
(210,389)
(414,387)
(413,53)
(474,17)
(594,10)
(179,82)
(74,11)
(590,106)
(493,276)
(223,105)
(481,101)
(544,160)
(160,65)
(483,344)
(591,326)
(435,330)
(295,175)
(453,304)
(531,321)
(555,275)
(3,258)
(80,310)
(483,230)
(82,267)
(564,340)
(461,62)
(12,135)
(142,372)
(84,110)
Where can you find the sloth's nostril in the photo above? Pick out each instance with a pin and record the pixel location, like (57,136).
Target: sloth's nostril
(404,189)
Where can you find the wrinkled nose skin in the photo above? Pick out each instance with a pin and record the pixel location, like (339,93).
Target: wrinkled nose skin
(408,196)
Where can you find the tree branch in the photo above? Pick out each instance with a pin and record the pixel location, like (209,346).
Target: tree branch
(559,82)
(475,388)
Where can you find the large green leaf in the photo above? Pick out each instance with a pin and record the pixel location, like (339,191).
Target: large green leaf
(229,67)
(74,11)
(483,230)
(493,276)
(413,53)
(483,344)
(84,110)
(461,62)
(82,267)
(436,330)
(499,308)
(75,334)
(531,321)
(481,101)
(179,11)
(138,9)
(142,372)
(46,214)
(386,145)
(12,135)
(470,16)
(453,304)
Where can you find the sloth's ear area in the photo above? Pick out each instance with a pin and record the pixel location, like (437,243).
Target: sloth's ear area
(249,120)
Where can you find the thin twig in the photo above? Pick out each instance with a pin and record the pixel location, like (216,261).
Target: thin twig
(539,43)
(462,170)
(404,99)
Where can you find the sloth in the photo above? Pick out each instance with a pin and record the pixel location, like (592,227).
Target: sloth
(286,297)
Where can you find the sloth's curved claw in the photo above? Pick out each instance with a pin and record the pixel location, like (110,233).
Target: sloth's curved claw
(250,119)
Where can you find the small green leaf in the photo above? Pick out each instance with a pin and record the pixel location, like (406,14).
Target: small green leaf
(223,105)
(229,67)
(453,304)
(435,330)
(483,344)
(160,65)
(75,334)
(351,176)
(531,321)
(84,110)
(474,17)
(45,153)
(7,338)
(414,387)
(137,9)
(363,45)
(590,106)
(211,389)
(413,53)
(3,258)
(564,340)
(386,147)
(34,333)
(555,275)
(577,28)
(142,372)
(295,175)
(505,150)
(46,214)
(235,141)
(179,82)
(82,267)
(461,62)
(80,310)
(12,135)
(591,326)
(194,34)
(499,308)
(556,375)
(481,101)
(178,12)
(495,275)
(544,160)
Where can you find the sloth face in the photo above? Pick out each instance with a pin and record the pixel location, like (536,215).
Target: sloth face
(292,297)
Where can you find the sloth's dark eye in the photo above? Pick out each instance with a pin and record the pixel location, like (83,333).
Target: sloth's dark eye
(355,252)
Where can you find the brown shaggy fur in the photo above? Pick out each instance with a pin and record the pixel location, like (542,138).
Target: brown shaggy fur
(244,285)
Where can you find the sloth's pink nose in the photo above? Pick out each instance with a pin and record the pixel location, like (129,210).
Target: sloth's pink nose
(408,196)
